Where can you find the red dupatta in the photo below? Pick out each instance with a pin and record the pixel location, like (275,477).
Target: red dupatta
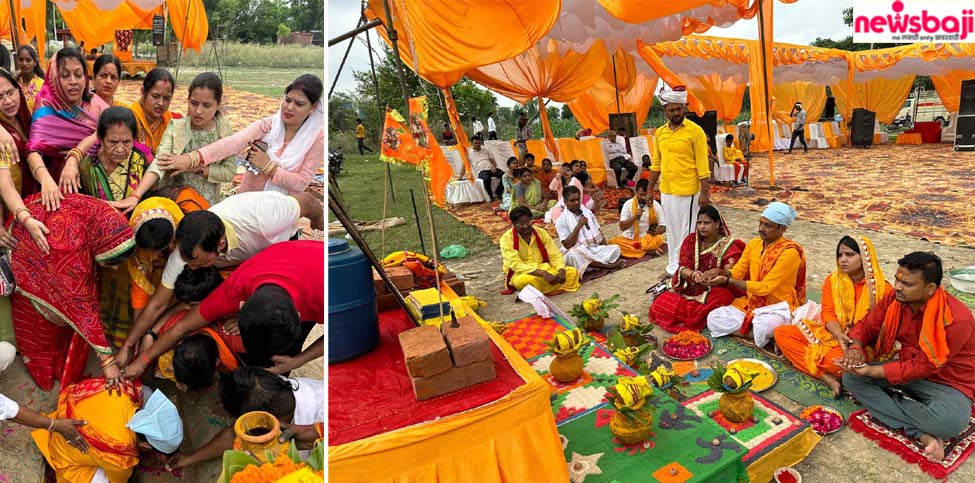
(516,243)
(62,285)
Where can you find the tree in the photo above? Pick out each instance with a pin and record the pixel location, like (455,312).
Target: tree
(553,113)
(283,31)
(472,100)
(567,113)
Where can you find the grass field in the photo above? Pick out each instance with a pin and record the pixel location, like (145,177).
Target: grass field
(361,185)
(265,81)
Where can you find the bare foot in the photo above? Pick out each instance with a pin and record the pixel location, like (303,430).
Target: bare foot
(934,448)
(618,265)
(833,383)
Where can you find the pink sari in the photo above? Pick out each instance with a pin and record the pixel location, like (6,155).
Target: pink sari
(58,125)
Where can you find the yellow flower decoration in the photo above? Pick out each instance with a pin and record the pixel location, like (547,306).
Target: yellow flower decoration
(592,306)
(662,376)
(633,392)
(629,323)
(627,355)
(569,341)
(735,378)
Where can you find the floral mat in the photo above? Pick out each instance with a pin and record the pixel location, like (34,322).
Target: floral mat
(529,334)
(601,370)
(966,298)
(957,449)
(874,189)
(792,384)
(679,449)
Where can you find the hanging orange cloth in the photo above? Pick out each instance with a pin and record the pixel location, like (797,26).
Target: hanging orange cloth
(458,128)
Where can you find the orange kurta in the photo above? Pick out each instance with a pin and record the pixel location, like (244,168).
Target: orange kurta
(779,284)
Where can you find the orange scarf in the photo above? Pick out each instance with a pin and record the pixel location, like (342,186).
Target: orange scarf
(769,258)
(150,135)
(651,217)
(937,316)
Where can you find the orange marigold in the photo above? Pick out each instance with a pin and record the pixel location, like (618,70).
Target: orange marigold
(268,472)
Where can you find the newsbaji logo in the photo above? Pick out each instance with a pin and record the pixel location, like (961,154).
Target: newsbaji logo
(913,21)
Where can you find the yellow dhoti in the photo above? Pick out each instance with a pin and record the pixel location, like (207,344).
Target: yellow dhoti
(571,284)
(630,248)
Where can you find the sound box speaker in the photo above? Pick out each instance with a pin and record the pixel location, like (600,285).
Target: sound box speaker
(965,133)
(626,120)
(862,128)
(829,112)
(709,123)
(966,106)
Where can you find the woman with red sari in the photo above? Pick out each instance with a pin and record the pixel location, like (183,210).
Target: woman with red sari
(687,304)
(65,113)
(55,308)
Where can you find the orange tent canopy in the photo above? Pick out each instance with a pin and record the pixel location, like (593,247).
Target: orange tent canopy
(92,24)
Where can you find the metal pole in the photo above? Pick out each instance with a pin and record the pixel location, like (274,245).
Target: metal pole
(352,33)
(616,85)
(342,64)
(379,145)
(416,217)
(343,217)
(768,113)
(14,32)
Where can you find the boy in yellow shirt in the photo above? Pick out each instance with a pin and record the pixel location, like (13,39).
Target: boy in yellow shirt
(360,137)
(733,156)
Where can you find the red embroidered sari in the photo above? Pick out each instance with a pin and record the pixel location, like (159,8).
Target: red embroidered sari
(687,304)
(55,308)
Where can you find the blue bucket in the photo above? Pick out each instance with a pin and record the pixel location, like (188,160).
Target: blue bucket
(353,321)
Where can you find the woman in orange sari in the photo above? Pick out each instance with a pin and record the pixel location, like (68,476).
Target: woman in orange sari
(703,253)
(152,110)
(849,293)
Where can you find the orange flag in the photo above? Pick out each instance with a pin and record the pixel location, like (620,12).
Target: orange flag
(413,143)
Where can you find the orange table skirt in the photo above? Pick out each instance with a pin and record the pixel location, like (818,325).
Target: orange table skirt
(913,138)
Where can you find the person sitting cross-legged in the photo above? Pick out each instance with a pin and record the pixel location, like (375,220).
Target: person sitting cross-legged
(528,193)
(530,257)
(642,224)
(734,157)
(932,370)
(583,243)
(772,272)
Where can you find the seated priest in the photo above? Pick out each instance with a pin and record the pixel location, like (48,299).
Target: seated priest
(530,257)
(643,225)
(583,243)
(772,272)
(919,341)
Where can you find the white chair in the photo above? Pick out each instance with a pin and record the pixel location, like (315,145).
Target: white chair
(884,137)
(500,151)
(465,191)
(779,142)
(817,139)
(611,181)
(639,146)
(948,132)
(724,171)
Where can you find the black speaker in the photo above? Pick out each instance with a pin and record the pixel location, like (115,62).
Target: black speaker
(862,128)
(966,106)
(965,133)
(709,123)
(829,112)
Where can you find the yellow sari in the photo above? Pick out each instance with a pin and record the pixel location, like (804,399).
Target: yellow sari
(111,445)
(150,135)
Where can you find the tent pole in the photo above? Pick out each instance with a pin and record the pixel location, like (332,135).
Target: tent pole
(768,113)
(352,33)
(379,103)
(616,85)
(393,40)
(342,64)
(13,26)
(416,217)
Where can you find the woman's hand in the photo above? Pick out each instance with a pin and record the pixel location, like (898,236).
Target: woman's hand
(258,158)
(51,196)
(147,341)
(711,273)
(125,206)
(716,281)
(124,354)
(134,369)
(113,379)
(697,276)
(69,429)
(230,327)
(8,146)
(174,163)
(38,233)
(7,240)
(71,177)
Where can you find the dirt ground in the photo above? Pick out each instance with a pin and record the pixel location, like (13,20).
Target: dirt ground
(842,457)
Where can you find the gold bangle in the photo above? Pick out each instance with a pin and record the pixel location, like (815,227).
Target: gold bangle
(107,362)
(76,153)
(33,172)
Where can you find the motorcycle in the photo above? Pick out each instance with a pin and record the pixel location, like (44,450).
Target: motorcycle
(335,159)
(901,123)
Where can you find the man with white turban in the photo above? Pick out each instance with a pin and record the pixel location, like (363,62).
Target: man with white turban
(771,272)
(798,128)
(680,162)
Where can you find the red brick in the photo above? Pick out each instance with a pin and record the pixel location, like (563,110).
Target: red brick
(401,277)
(468,343)
(456,284)
(425,351)
(378,283)
(387,301)
(453,380)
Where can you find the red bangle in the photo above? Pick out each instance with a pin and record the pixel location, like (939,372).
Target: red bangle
(145,359)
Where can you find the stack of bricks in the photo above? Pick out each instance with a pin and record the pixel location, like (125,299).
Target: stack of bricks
(447,359)
(402,279)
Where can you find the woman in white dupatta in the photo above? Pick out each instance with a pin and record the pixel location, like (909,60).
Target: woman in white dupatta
(284,150)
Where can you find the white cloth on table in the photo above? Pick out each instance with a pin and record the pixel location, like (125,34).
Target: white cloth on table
(627,214)
(729,319)
(589,245)
(680,216)
(480,160)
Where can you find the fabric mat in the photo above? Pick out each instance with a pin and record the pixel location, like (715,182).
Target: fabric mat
(598,273)
(482,217)
(600,371)
(680,452)
(529,334)
(855,188)
(372,394)
(966,298)
(792,384)
(957,449)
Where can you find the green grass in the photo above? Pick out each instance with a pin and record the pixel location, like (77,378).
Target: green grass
(268,81)
(256,56)
(361,184)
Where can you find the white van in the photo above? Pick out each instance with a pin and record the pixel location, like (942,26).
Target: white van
(925,106)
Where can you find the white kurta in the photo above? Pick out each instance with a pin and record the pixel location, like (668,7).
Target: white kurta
(589,244)
(626,214)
